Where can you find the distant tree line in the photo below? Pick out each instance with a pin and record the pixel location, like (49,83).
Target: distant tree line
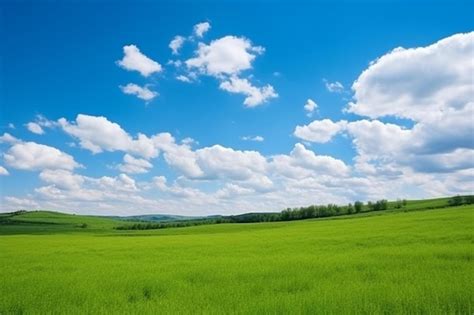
(461,200)
(174,224)
(290,214)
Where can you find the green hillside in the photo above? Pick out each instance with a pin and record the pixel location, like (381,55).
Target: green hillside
(41,221)
(391,262)
(49,222)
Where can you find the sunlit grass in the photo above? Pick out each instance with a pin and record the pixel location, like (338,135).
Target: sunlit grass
(413,262)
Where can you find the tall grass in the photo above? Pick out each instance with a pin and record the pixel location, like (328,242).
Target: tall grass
(398,263)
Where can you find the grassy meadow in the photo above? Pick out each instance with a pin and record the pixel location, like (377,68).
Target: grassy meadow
(392,262)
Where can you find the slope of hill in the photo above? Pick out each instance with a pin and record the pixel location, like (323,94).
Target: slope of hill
(50,222)
(398,262)
(156,217)
(43,221)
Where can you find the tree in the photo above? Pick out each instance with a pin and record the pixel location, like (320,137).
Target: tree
(383,204)
(350,208)
(455,201)
(398,204)
(370,205)
(358,206)
(469,200)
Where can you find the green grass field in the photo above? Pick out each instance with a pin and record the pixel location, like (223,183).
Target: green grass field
(393,262)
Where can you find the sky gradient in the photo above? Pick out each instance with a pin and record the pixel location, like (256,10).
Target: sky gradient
(220,108)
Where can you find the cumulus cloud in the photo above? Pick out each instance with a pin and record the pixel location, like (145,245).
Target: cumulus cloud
(320,131)
(302,162)
(176,190)
(201,28)
(255,95)
(432,155)
(3,171)
(35,128)
(242,173)
(34,156)
(132,165)
(8,138)
(63,179)
(386,147)
(232,190)
(143,93)
(417,83)
(310,107)
(134,60)
(121,183)
(65,191)
(179,156)
(228,55)
(176,44)
(221,162)
(431,86)
(21,203)
(97,134)
(225,59)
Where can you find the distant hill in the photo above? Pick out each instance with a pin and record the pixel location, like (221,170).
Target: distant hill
(43,222)
(156,217)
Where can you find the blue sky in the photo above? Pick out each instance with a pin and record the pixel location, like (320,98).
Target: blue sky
(61,60)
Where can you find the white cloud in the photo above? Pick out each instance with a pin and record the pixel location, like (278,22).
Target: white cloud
(221,162)
(21,203)
(432,156)
(39,124)
(143,93)
(310,107)
(225,59)
(432,86)
(303,163)
(176,190)
(3,171)
(8,138)
(121,183)
(183,78)
(133,165)
(35,128)
(176,63)
(34,156)
(253,138)
(322,164)
(98,134)
(334,87)
(176,44)
(417,83)
(189,141)
(134,60)
(179,157)
(63,179)
(255,95)
(201,28)
(232,190)
(228,55)
(320,131)
(212,163)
